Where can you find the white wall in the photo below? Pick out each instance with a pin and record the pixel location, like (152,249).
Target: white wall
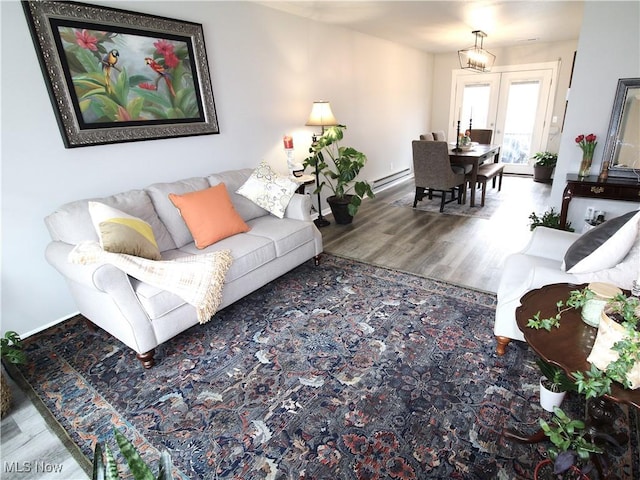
(608,49)
(267,68)
(563,52)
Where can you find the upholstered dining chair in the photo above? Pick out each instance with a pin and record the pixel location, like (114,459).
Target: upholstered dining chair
(439,136)
(482,136)
(433,172)
(427,136)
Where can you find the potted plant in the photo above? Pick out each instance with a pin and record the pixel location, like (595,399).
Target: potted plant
(570,456)
(105,467)
(614,358)
(543,166)
(554,384)
(11,351)
(550,218)
(339,166)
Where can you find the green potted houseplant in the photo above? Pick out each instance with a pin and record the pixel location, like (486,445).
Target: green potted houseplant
(550,218)
(570,456)
(544,163)
(596,382)
(106,468)
(339,167)
(554,384)
(10,351)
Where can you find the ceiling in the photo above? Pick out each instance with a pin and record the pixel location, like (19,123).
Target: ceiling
(446,26)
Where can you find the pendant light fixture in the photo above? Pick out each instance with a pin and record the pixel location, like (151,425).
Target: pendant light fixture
(476,58)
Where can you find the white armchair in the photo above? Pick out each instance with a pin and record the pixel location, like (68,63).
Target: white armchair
(608,253)
(538,264)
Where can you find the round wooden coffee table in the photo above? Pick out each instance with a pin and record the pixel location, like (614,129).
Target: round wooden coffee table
(569,345)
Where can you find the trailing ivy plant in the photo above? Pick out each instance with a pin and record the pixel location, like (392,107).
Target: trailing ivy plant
(577,299)
(595,382)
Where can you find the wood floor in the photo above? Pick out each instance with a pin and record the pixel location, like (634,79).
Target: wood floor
(466,251)
(463,250)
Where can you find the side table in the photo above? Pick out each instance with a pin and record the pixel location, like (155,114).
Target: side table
(613,188)
(302,182)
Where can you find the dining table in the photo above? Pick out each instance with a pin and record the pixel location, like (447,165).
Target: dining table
(476,155)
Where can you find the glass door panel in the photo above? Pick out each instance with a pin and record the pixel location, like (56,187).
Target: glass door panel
(521,118)
(476,102)
(516,105)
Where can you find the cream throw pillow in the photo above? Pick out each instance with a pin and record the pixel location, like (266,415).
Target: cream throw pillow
(123,233)
(268,189)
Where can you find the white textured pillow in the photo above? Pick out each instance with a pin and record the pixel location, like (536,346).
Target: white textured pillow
(268,190)
(622,275)
(604,246)
(120,232)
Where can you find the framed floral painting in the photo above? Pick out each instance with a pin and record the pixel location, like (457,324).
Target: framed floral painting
(120,76)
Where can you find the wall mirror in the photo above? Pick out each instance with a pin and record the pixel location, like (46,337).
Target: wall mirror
(622,147)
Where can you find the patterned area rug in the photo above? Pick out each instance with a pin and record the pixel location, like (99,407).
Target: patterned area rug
(493,200)
(496,202)
(342,371)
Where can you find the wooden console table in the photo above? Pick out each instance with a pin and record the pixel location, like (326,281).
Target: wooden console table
(612,188)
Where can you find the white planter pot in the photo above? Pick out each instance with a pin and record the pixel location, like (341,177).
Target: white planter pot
(549,399)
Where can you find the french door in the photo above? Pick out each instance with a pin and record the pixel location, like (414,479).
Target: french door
(516,104)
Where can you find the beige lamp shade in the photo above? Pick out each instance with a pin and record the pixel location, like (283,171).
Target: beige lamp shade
(321,115)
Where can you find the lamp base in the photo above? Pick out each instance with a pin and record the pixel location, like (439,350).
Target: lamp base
(321,222)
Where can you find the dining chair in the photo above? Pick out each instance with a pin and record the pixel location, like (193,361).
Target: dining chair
(427,136)
(433,172)
(482,136)
(439,136)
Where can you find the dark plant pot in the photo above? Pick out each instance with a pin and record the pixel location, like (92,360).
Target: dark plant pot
(542,174)
(544,471)
(340,209)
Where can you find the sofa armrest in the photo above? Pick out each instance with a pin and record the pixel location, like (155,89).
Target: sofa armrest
(299,207)
(549,243)
(102,277)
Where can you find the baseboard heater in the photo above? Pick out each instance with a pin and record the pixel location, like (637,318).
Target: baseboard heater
(394,177)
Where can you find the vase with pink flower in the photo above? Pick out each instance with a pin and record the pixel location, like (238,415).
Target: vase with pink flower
(588,144)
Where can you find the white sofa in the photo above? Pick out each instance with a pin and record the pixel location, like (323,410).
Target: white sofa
(540,263)
(143,316)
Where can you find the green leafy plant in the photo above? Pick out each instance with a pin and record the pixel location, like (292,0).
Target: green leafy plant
(577,299)
(570,445)
(105,467)
(545,159)
(11,348)
(595,382)
(557,379)
(339,166)
(550,218)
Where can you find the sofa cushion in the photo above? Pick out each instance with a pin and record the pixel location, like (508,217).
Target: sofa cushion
(249,252)
(603,246)
(159,193)
(234,179)
(268,189)
(286,234)
(71,223)
(209,214)
(122,233)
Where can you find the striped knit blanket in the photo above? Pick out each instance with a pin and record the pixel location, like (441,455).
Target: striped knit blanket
(197,279)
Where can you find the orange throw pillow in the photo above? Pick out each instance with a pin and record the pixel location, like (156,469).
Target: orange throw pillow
(209,215)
